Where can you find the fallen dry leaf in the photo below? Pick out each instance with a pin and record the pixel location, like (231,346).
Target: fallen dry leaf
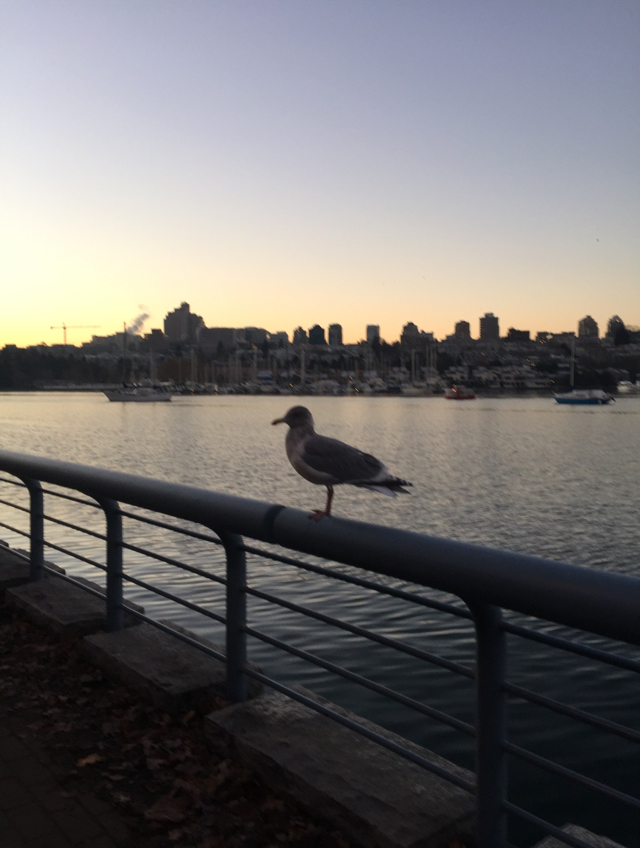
(168,809)
(188,716)
(89,761)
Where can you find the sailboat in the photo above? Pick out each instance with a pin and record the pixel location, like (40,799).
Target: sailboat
(581,397)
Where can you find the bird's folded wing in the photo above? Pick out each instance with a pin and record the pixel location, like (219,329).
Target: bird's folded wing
(345,463)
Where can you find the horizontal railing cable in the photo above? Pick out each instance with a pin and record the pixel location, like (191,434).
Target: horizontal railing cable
(73,554)
(12,482)
(71,498)
(360,581)
(418,706)
(570,774)
(573,712)
(176,598)
(77,583)
(15,506)
(547,827)
(406,753)
(59,521)
(314,705)
(396,644)
(170,561)
(166,526)
(573,647)
(183,637)
(16,553)
(15,529)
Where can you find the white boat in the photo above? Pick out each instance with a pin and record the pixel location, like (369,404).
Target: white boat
(626,387)
(584,397)
(138,394)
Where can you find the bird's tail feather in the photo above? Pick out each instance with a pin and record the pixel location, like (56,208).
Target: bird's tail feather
(389,488)
(381,489)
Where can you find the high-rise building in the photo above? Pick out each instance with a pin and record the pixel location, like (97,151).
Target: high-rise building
(410,335)
(616,323)
(462,330)
(182,325)
(489,328)
(335,335)
(316,335)
(588,328)
(373,333)
(300,336)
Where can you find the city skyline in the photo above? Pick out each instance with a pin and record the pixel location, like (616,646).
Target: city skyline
(181,323)
(297,164)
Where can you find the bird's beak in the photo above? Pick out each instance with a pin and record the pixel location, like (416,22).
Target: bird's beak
(278,421)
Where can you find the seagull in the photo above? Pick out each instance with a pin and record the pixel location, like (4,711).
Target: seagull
(328,462)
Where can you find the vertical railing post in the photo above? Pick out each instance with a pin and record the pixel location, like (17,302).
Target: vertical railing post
(236,617)
(491,726)
(115,613)
(36,529)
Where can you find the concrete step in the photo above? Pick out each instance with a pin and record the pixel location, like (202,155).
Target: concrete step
(174,675)
(377,798)
(63,607)
(581,833)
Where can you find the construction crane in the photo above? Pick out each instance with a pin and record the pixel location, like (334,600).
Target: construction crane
(64,329)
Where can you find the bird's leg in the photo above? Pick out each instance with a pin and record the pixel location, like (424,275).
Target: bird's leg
(317,514)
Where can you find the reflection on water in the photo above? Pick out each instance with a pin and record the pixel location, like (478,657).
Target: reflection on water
(526,475)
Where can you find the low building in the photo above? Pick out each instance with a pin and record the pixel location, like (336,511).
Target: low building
(213,340)
(518,335)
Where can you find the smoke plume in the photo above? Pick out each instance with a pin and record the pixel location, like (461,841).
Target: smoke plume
(138,322)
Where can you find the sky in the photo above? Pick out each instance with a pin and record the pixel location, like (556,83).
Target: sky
(278,163)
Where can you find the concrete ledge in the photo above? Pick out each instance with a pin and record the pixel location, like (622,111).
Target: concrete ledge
(63,607)
(377,798)
(172,674)
(579,832)
(14,569)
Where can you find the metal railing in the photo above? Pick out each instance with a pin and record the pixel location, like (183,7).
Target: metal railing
(487,581)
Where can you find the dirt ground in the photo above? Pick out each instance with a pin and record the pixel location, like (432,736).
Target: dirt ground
(156,770)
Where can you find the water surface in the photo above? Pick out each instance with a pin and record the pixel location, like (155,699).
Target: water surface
(521,474)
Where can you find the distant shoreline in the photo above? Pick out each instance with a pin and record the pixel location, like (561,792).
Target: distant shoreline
(480,393)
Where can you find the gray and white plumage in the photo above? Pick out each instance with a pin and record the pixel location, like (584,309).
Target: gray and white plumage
(329,462)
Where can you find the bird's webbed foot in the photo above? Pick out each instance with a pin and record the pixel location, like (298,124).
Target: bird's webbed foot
(317,514)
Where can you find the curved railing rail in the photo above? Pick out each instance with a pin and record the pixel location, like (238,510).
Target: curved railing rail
(487,580)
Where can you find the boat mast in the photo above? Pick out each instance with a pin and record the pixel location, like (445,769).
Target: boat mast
(124,352)
(572,371)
